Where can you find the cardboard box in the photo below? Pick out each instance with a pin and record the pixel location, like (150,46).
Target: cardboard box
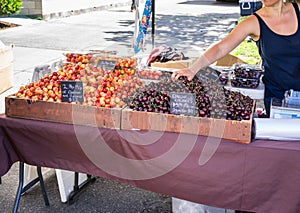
(179,206)
(229,60)
(6,68)
(6,55)
(226,61)
(6,77)
(172,64)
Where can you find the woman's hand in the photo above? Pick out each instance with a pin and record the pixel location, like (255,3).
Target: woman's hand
(183,72)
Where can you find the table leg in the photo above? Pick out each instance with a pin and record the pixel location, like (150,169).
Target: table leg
(20,187)
(39,171)
(77,189)
(22,190)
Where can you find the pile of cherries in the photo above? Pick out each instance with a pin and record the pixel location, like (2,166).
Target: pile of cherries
(213,100)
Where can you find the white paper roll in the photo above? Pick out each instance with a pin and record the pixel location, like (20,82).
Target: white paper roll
(277,129)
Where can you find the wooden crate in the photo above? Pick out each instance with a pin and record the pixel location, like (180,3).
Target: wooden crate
(238,131)
(127,119)
(63,112)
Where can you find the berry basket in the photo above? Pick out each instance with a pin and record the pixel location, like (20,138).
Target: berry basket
(246,76)
(251,83)
(247,71)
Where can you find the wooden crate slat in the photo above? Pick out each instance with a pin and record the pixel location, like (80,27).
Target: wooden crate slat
(238,131)
(63,112)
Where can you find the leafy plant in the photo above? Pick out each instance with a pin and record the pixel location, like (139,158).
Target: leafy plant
(248,52)
(9,7)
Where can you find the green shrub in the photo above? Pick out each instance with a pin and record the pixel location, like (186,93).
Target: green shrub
(248,52)
(9,7)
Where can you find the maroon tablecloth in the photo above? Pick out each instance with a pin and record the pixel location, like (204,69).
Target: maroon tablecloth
(263,176)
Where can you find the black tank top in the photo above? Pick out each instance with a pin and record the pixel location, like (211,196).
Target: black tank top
(280,56)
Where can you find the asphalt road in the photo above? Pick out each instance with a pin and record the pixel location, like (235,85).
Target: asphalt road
(100,196)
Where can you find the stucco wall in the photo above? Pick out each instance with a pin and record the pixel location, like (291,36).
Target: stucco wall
(32,8)
(48,9)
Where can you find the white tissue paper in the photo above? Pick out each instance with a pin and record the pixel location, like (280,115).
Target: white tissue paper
(277,129)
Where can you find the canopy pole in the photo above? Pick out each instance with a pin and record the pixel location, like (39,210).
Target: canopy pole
(153,23)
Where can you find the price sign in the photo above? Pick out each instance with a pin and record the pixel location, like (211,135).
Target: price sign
(71,91)
(183,104)
(208,74)
(107,64)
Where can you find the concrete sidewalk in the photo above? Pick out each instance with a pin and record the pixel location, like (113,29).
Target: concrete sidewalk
(189,25)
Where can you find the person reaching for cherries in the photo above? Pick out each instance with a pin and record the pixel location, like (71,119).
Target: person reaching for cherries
(276,30)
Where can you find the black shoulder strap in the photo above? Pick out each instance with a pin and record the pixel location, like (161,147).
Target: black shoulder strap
(296,6)
(258,17)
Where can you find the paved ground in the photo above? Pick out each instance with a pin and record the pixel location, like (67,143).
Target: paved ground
(190,25)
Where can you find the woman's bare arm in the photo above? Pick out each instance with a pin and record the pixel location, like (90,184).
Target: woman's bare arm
(248,27)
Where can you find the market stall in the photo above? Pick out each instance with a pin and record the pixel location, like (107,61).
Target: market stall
(107,116)
(262,176)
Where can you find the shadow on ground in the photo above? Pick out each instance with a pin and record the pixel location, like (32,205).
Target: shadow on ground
(181,31)
(100,196)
